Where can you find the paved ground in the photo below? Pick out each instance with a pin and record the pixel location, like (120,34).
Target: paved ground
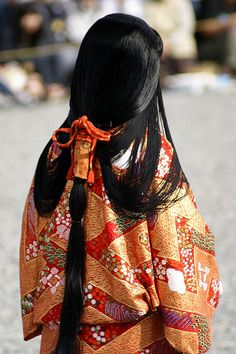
(204,129)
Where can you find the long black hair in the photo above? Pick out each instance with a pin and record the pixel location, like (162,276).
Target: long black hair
(116,84)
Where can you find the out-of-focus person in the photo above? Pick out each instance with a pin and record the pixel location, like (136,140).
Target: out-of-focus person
(59,11)
(196,6)
(6,30)
(175,20)
(86,12)
(80,19)
(32,28)
(132,7)
(16,83)
(231,40)
(216,32)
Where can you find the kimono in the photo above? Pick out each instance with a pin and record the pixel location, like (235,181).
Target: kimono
(151,284)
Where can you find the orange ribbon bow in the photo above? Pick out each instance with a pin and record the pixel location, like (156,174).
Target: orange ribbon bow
(83,139)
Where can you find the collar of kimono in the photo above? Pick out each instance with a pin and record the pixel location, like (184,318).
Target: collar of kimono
(83,139)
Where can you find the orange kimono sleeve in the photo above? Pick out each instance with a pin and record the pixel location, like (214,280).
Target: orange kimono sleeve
(186,275)
(42,270)
(29,252)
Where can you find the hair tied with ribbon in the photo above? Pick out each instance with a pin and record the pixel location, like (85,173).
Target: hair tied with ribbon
(82,141)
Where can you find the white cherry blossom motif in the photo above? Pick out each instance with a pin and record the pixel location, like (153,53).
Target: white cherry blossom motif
(31,251)
(176,280)
(98,333)
(145,351)
(164,164)
(88,296)
(161,267)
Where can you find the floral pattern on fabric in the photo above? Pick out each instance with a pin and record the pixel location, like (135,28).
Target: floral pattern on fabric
(191,322)
(27,303)
(100,335)
(49,278)
(95,297)
(151,275)
(165,159)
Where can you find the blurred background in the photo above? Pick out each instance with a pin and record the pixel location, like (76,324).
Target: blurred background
(39,43)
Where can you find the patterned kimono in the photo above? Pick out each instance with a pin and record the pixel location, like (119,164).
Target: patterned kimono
(151,284)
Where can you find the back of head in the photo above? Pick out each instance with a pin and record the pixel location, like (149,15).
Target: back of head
(117,70)
(115,81)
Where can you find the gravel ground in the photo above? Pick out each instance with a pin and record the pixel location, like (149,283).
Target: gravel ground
(204,130)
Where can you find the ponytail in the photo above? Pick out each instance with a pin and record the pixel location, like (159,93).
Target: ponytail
(73,296)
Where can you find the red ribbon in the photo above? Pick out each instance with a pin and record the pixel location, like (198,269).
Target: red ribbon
(81,130)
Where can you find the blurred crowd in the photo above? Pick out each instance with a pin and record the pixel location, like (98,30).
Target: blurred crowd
(39,40)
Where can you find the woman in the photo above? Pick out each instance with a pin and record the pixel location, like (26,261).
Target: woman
(111,207)
(33,27)
(175,21)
